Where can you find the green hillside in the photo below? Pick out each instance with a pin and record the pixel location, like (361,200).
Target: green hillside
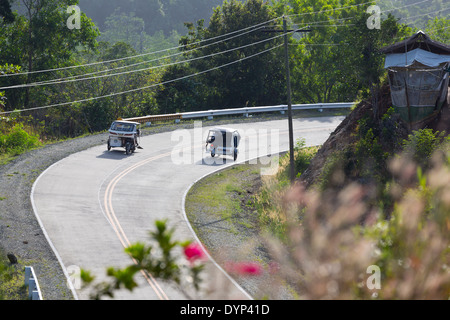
(165,15)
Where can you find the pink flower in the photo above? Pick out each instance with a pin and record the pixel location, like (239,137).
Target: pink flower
(193,252)
(249,268)
(244,268)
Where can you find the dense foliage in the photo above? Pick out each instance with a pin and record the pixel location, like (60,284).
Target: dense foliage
(124,60)
(121,63)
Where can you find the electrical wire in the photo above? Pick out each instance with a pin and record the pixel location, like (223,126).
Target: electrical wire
(173,48)
(135,56)
(188,76)
(140,63)
(348,18)
(146,87)
(178,47)
(139,70)
(424,14)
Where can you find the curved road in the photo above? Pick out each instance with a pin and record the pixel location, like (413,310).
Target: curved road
(94,203)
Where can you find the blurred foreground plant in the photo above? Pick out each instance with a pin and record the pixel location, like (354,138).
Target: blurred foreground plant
(160,263)
(343,237)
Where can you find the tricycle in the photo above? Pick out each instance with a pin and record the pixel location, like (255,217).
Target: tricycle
(223,141)
(124,134)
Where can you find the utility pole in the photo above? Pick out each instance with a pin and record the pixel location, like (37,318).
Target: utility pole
(289,100)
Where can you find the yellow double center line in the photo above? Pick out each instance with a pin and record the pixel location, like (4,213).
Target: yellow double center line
(111,216)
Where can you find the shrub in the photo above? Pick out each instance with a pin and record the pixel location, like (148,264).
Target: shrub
(17,141)
(421,144)
(302,158)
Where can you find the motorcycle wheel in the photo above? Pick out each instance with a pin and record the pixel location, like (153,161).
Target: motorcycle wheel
(128,148)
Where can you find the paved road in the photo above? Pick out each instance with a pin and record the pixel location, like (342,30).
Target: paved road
(93,203)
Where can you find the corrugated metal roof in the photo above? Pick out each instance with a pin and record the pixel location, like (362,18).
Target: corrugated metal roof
(419,40)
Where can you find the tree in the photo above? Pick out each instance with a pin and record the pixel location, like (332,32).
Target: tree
(6,69)
(158,15)
(364,45)
(243,82)
(439,29)
(44,41)
(124,28)
(5,11)
(340,57)
(320,63)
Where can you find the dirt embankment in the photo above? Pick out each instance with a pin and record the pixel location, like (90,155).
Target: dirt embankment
(344,135)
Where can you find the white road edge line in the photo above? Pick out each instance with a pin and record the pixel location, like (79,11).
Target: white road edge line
(183,205)
(63,267)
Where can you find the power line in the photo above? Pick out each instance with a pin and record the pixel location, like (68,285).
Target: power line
(135,56)
(169,49)
(61,80)
(149,61)
(405,6)
(146,87)
(139,70)
(424,14)
(209,39)
(356,5)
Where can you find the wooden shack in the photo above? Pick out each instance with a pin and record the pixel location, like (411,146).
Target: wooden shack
(418,70)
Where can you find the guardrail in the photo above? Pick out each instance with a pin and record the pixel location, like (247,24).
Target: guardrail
(34,292)
(279,108)
(244,111)
(162,117)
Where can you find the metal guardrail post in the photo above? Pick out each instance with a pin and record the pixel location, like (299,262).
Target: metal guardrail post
(34,292)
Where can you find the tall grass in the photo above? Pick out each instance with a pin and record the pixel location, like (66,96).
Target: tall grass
(338,245)
(269,201)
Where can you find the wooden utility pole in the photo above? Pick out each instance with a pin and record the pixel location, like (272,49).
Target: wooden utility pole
(289,100)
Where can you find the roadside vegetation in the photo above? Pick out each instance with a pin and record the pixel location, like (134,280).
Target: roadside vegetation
(12,280)
(348,238)
(343,238)
(15,140)
(269,199)
(338,62)
(339,232)
(378,197)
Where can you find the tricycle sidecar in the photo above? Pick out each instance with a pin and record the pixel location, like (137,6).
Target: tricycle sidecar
(223,141)
(124,134)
